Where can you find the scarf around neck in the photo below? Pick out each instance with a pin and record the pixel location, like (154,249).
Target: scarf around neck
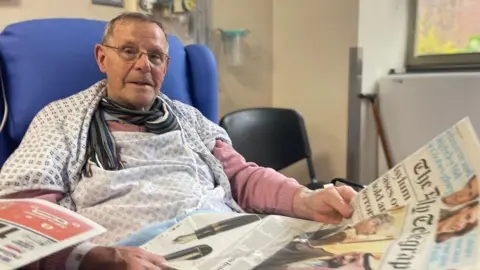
(102,150)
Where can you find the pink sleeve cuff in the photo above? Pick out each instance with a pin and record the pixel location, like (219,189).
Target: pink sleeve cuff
(48,195)
(53,262)
(286,193)
(57,261)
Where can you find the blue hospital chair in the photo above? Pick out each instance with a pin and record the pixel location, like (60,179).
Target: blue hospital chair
(47,59)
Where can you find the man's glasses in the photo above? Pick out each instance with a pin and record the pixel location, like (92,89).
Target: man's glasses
(130,54)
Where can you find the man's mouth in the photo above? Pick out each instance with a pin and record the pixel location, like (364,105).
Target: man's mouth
(141,83)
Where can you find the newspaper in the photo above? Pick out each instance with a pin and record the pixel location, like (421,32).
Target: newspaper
(31,229)
(422,214)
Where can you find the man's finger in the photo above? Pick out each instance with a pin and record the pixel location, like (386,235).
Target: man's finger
(346,192)
(336,201)
(150,266)
(155,259)
(333,218)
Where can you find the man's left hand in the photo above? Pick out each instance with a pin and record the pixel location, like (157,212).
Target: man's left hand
(328,205)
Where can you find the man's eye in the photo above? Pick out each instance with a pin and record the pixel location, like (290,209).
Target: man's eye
(155,56)
(129,51)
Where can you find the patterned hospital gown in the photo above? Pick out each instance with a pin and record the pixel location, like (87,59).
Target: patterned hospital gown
(166,175)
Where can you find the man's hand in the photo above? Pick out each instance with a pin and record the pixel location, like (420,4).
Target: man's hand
(121,258)
(328,205)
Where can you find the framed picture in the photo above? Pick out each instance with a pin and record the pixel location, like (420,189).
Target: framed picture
(114,3)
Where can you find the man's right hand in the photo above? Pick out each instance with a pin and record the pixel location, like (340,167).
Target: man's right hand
(122,258)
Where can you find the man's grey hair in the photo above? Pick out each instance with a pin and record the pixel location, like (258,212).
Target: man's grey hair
(130,16)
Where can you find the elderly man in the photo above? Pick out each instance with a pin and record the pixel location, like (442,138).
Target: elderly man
(125,156)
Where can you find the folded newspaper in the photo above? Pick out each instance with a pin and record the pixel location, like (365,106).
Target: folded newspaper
(422,214)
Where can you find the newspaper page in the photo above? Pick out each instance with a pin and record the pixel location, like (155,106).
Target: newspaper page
(216,240)
(447,165)
(31,229)
(421,235)
(420,215)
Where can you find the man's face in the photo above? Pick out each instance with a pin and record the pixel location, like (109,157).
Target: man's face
(134,83)
(468,193)
(366,227)
(459,221)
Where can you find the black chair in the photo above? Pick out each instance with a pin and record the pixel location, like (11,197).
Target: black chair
(270,137)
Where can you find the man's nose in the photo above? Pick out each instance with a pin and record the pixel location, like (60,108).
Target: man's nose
(142,63)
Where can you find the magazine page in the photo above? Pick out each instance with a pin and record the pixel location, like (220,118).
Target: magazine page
(31,229)
(447,165)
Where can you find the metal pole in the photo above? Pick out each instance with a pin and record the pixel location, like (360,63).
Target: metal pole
(354,114)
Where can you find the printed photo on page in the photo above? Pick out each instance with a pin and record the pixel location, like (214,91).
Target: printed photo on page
(356,247)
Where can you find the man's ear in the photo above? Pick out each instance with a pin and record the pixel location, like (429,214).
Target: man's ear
(100,57)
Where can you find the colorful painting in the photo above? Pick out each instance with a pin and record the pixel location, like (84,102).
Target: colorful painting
(114,3)
(447,27)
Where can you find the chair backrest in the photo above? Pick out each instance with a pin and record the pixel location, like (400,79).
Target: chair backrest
(48,59)
(270,137)
(5,145)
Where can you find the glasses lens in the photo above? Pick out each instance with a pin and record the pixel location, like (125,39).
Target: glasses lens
(156,59)
(128,54)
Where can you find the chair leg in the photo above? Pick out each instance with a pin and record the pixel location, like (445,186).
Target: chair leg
(315,185)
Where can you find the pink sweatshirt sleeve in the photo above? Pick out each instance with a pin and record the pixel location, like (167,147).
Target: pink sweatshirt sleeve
(255,188)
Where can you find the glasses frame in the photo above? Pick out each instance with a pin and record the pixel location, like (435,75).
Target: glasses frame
(139,55)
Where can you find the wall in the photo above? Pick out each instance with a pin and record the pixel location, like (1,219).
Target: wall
(250,85)
(311,48)
(455,96)
(13,11)
(382,36)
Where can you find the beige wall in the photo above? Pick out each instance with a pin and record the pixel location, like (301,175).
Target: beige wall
(250,85)
(13,11)
(311,42)
(298,59)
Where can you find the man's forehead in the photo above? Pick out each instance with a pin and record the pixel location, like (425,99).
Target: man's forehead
(136,31)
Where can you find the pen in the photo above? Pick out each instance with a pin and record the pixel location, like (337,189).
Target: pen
(192,253)
(218,227)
